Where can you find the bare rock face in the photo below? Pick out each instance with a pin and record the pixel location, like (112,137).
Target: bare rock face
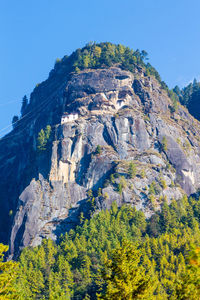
(122,118)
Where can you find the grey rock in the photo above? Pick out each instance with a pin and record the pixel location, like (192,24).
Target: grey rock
(47,190)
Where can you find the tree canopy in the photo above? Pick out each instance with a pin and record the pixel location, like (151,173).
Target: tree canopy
(8,273)
(118,253)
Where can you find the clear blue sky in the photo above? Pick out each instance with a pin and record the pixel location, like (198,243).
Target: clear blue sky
(33,33)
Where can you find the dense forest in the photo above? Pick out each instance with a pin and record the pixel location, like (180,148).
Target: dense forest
(118,254)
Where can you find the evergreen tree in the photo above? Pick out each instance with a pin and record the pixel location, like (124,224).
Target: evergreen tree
(155,248)
(123,275)
(15,120)
(132,170)
(41,141)
(8,273)
(195,86)
(24,105)
(43,138)
(144,55)
(188,285)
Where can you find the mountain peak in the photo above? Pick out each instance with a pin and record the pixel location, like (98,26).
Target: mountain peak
(104,131)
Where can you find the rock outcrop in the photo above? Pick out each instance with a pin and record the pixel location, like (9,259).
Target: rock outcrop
(126,146)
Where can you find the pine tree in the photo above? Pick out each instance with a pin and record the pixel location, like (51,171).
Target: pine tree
(47,132)
(188,285)
(132,170)
(15,120)
(43,138)
(164,144)
(24,105)
(41,141)
(123,275)
(8,273)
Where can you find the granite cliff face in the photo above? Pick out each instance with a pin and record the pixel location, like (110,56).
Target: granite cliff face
(44,193)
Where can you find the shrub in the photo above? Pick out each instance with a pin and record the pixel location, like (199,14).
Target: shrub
(43,138)
(163,183)
(119,188)
(132,170)
(112,179)
(152,199)
(106,196)
(142,173)
(98,149)
(152,188)
(164,143)
(123,182)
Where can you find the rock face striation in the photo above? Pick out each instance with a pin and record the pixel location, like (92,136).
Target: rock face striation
(124,145)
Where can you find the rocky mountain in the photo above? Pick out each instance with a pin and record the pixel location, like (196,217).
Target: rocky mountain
(113,136)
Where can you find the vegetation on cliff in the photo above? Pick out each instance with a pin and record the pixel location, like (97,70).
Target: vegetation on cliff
(97,56)
(105,55)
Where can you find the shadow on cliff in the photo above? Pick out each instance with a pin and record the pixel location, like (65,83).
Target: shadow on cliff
(27,165)
(83,210)
(74,218)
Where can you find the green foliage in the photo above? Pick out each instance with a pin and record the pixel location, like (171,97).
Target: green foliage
(81,218)
(122,185)
(119,188)
(58,60)
(44,274)
(43,138)
(164,143)
(123,182)
(98,150)
(90,193)
(47,132)
(152,199)
(112,178)
(152,188)
(24,105)
(188,284)
(104,55)
(142,173)
(95,259)
(187,145)
(189,96)
(106,196)
(8,273)
(123,275)
(132,170)
(163,183)
(174,99)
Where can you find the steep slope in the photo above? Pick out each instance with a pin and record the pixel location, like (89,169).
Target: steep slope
(123,117)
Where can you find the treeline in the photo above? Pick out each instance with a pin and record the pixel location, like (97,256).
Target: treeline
(189,96)
(104,55)
(118,254)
